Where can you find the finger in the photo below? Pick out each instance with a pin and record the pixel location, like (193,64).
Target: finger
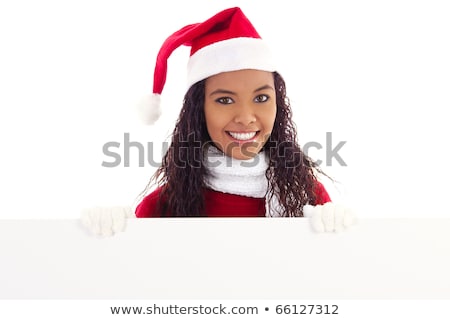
(95,216)
(328,216)
(349,217)
(129,212)
(85,218)
(316,219)
(308,210)
(339,211)
(106,222)
(119,216)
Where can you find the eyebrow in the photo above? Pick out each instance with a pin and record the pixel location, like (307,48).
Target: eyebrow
(223,91)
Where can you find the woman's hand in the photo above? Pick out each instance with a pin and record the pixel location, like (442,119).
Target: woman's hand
(106,221)
(329,217)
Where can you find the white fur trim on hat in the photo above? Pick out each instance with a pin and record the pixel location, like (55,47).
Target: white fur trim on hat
(229,55)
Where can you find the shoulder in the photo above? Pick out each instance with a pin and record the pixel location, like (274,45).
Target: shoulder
(321,194)
(148,207)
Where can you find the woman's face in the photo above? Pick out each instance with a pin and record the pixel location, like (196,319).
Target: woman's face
(240,110)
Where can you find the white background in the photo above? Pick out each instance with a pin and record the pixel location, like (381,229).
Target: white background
(374,73)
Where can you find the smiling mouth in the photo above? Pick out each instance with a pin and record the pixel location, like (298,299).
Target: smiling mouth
(242,136)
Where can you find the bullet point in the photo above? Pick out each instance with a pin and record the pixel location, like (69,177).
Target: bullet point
(267,309)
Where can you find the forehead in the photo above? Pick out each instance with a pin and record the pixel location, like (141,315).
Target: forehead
(240,78)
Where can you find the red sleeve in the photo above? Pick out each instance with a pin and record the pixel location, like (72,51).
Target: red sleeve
(322,195)
(148,206)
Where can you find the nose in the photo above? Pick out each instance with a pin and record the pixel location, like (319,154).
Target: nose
(245,115)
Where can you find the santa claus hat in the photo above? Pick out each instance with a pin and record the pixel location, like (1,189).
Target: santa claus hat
(225,42)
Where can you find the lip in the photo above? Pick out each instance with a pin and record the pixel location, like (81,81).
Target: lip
(243,132)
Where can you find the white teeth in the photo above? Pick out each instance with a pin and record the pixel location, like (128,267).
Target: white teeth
(242,136)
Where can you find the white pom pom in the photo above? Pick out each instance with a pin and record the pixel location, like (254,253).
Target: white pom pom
(149,108)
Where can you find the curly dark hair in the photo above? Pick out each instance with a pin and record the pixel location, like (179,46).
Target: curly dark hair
(291,173)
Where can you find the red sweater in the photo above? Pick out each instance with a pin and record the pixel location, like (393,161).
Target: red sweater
(225,205)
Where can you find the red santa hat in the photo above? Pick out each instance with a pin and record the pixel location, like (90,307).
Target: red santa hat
(225,42)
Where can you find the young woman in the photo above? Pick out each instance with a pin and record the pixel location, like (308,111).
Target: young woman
(234,150)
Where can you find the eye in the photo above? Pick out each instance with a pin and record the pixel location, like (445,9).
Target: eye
(225,100)
(261,98)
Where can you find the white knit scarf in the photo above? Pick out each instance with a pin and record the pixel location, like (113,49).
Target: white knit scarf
(241,177)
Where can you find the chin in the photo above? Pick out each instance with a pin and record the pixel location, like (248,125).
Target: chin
(246,155)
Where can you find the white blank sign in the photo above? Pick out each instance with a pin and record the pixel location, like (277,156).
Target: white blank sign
(202,258)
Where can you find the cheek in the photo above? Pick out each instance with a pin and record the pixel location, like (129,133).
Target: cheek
(268,119)
(213,124)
